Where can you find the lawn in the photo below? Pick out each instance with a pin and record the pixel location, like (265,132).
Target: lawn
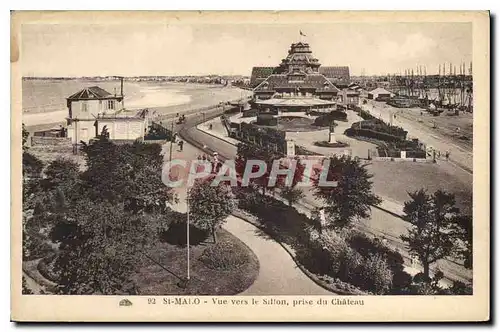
(395,179)
(153,279)
(294,124)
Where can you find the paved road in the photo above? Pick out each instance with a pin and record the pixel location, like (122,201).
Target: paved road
(278,273)
(459,155)
(377,224)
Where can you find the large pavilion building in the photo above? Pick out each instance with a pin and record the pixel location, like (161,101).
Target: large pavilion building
(299,83)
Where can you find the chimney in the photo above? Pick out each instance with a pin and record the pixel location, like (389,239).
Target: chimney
(121,86)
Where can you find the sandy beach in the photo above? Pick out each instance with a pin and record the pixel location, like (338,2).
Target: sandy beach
(44,101)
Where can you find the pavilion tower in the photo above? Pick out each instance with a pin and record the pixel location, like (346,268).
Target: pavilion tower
(299,59)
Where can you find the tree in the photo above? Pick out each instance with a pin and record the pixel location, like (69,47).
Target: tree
(377,275)
(464,233)
(26,135)
(290,191)
(351,199)
(128,173)
(62,175)
(32,166)
(432,236)
(100,245)
(292,194)
(210,205)
(248,152)
(26,289)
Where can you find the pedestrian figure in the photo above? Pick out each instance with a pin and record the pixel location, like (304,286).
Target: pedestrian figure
(210,127)
(181,144)
(204,157)
(174,138)
(439,154)
(447,155)
(199,157)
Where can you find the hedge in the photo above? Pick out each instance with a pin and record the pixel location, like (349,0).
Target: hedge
(269,136)
(372,134)
(325,119)
(380,126)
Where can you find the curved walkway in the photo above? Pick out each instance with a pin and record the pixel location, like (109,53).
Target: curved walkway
(278,274)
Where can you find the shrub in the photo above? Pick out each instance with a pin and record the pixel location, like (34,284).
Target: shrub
(364,115)
(224,256)
(459,288)
(35,247)
(345,262)
(316,113)
(266,120)
(302,151)
(341,285)
(315,258)
(26,289)
(177,234)
(326,144)
(325,119)
(250,113)
(401,283)
(46,268)
(376,274)
(232,110)
(278,219)
(258,134)
(367,247)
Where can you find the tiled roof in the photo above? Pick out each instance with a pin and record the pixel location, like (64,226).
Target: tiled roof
(335,72)
(93,92)
(295,102)
(316,81)
(259,74)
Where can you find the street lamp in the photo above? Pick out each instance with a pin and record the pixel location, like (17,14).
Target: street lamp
(188,277)
(187,236)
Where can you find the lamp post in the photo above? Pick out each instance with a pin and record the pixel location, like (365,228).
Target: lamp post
(171,139)
(187,237)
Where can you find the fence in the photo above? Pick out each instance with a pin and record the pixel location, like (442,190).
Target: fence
(157,131)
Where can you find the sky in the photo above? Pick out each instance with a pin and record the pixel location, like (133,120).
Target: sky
(233,49)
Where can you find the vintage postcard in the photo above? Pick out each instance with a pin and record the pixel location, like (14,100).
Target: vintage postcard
(250,166)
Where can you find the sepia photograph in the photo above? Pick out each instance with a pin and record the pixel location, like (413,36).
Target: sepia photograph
(223,159)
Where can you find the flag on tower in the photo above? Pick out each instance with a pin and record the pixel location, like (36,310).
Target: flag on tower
(301,33)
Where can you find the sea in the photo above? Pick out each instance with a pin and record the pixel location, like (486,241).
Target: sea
(44,100)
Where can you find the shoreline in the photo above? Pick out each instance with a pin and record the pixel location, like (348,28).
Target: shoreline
(162,97)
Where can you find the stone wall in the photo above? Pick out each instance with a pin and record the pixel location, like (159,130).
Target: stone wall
(50,141)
